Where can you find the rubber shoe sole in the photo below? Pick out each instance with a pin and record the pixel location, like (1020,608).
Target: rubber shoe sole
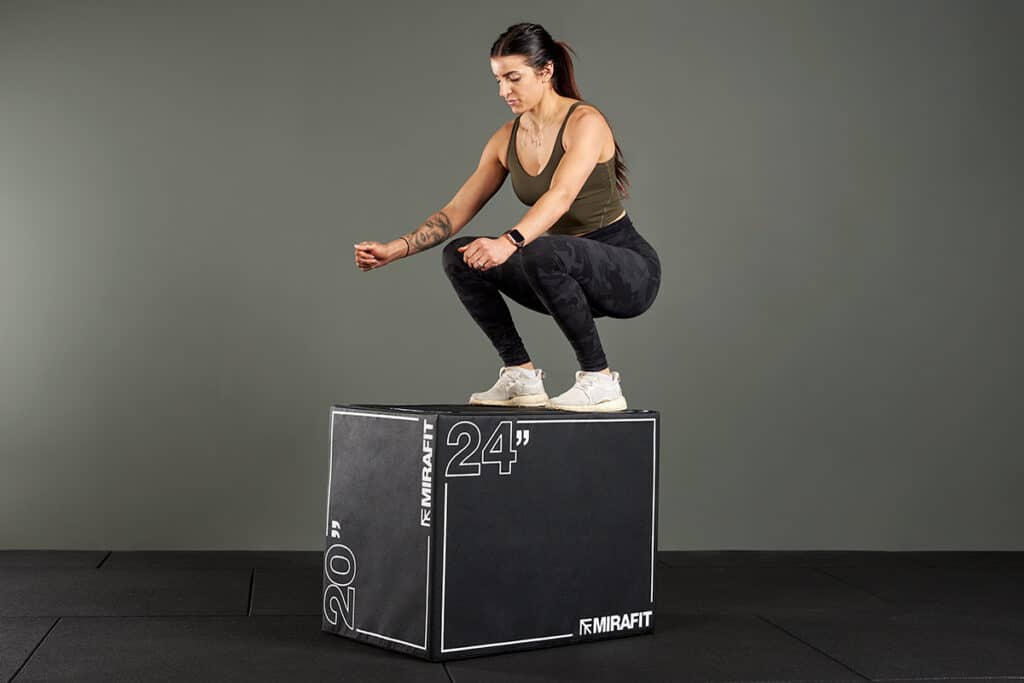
(612,406)
(530,401)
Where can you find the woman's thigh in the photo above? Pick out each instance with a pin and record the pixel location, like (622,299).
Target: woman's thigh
(617,281)
(510,279)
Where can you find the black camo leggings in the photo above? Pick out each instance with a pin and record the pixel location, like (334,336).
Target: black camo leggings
(612,272)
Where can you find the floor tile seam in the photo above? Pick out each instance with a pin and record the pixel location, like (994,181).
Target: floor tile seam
(862,589)
(151,568)
(809,614)
(953,678)
(734,565)
(780,565)
(147,616)
(813,647)
(784,680)
(157,569)
(33,652)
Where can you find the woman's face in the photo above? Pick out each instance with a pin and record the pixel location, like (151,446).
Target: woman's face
(518,84)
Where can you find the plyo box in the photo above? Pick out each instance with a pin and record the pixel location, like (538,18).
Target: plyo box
(457,531)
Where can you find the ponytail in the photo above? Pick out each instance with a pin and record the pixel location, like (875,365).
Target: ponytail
(565,79)
(565,85)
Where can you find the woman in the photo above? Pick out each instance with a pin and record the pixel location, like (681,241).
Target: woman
(575,255)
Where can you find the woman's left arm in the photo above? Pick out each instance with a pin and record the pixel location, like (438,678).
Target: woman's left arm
(575,167)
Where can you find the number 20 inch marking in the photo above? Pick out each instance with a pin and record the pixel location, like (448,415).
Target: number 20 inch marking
(498,450)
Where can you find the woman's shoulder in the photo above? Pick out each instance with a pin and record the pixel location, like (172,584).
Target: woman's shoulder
(586,110)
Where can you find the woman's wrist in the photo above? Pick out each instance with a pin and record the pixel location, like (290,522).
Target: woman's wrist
(400,248)
(508,242)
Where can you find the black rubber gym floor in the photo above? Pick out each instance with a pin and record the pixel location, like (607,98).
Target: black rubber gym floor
(720,616)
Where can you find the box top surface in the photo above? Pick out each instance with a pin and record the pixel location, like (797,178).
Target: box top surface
(465,409)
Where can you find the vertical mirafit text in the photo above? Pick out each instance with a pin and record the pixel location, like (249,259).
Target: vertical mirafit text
(426,473)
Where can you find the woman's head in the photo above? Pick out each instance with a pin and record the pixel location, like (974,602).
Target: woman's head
(528,63)
(539,61)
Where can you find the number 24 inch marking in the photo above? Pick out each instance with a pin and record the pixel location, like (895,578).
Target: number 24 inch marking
(499,448)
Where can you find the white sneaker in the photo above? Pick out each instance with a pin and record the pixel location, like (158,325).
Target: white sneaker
(515,387)
(593,392)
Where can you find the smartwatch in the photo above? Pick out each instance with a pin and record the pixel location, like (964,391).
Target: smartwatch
(516,237)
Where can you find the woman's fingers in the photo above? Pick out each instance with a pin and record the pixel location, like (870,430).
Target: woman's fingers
(365,260)
(369,248)
(364,257)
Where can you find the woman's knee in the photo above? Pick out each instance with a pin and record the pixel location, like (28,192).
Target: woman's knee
(450,256)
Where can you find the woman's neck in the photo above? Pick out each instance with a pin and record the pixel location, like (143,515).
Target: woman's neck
(547,112)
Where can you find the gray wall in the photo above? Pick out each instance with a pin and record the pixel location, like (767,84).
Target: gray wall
(834,189)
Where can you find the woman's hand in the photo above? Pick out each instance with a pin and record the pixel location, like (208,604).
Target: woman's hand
(485,253)
(370,255)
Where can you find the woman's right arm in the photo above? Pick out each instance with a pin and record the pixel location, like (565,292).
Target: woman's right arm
(467,202)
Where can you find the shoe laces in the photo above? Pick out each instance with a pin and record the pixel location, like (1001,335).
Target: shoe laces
(514,376)
(586,381)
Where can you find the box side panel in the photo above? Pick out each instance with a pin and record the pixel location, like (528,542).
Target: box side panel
(378,545)
(547,531)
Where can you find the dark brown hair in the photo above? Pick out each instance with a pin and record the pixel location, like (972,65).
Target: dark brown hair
(534,43)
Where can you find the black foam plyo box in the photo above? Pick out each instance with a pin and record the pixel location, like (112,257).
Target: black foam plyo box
(457,531)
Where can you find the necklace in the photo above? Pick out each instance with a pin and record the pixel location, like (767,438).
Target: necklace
(535,139)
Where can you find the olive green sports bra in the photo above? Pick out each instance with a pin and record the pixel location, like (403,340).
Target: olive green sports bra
(598,202)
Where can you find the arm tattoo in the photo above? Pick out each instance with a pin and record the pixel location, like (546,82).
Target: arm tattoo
(436,230)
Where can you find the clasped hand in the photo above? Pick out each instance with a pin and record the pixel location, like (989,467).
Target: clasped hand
(485,253)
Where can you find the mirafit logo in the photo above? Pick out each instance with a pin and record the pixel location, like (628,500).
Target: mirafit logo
(615,622)
(426,473)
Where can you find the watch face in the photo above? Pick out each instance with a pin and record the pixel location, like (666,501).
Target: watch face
(516,236)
